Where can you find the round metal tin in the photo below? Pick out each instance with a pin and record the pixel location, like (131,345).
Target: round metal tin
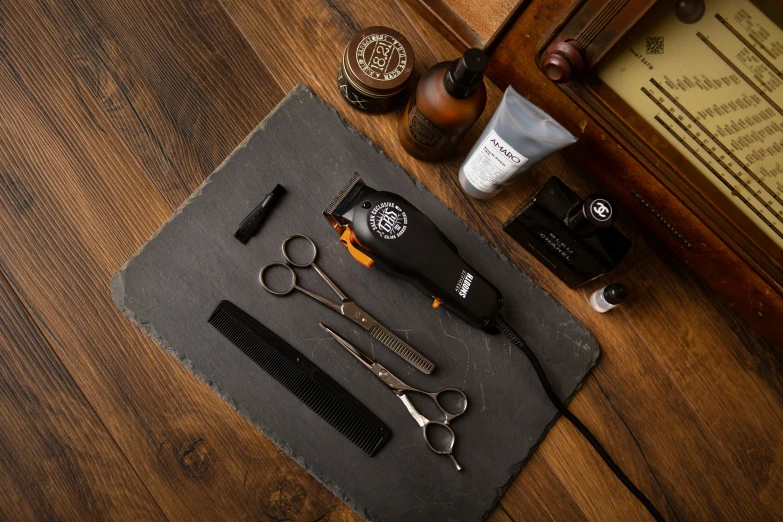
(376,68)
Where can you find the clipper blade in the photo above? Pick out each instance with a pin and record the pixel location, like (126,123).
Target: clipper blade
(341,201)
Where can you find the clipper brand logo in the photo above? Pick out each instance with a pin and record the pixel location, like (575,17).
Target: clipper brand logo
(388,220)
(463,285)
(601,209)
(504,151)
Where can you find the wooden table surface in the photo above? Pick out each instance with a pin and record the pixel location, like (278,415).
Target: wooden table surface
(113,112)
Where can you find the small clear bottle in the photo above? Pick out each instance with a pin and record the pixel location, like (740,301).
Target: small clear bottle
(608,297)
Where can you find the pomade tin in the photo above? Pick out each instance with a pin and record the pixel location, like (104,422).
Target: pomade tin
(376,68)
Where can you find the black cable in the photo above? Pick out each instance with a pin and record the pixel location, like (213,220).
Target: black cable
(509,332)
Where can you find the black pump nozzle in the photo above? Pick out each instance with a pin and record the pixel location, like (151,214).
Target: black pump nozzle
(466,74)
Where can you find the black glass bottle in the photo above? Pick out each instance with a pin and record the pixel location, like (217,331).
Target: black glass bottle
(574,238)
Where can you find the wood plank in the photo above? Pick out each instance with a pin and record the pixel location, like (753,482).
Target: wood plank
(57,459)
(730,376)
(472,24)
(79,196)
(538,494)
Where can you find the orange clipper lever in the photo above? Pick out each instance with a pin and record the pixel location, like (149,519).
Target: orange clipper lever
(361,257)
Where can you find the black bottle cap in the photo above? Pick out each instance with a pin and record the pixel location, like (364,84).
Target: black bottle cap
(466,74)
(615,293)
(595,212)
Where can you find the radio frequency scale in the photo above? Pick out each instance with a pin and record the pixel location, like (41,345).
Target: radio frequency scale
(714,90)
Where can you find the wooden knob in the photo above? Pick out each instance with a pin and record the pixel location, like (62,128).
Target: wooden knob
(562,61)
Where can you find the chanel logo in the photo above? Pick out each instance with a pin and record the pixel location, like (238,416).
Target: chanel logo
(601,209)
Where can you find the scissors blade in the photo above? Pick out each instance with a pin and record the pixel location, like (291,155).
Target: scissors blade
(397,386)
(363,358)
(386,337)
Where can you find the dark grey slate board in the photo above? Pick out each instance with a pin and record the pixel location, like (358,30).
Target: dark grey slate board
(172,284)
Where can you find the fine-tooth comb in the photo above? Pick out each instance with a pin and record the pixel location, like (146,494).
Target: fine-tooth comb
(301,377)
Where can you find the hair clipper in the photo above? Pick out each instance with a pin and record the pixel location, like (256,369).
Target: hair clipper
(383,229)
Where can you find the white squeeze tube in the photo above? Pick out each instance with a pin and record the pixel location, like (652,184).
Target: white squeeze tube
(518,136)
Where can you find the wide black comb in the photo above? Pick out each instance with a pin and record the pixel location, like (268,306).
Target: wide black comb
(301,377)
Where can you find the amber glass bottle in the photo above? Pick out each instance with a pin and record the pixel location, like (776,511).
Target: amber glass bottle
(448,100)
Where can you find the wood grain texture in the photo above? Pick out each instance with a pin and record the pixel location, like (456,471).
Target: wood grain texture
(57,460)
(474,24)
(114,112)
(79,197)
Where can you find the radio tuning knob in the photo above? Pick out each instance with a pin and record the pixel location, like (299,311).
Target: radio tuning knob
(689,11)
(563,61)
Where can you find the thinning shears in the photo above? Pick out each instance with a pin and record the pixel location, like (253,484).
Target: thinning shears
(346,306)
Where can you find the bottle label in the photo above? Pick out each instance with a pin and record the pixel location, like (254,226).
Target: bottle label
(423,130)
(493,163)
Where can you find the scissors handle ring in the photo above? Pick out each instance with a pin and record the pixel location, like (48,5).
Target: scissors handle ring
(450,415)
(276,292)
(450,448)
(290,261)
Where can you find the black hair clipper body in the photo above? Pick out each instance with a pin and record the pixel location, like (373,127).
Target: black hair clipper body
(383,229)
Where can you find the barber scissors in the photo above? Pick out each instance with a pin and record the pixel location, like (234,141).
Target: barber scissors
(437,434)
(346,307)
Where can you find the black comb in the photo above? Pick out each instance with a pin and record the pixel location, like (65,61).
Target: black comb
(301,377)
(252,223)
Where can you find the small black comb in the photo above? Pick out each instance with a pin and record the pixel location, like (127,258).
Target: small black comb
(301,377)
(252,223)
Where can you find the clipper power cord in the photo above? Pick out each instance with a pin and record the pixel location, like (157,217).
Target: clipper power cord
(368,220)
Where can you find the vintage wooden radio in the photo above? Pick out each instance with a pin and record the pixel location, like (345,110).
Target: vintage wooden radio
(692,90)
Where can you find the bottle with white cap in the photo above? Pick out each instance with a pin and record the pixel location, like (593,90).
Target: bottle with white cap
(608,297)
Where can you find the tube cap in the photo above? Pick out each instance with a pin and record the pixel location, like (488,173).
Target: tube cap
(615,293)
(466,74)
